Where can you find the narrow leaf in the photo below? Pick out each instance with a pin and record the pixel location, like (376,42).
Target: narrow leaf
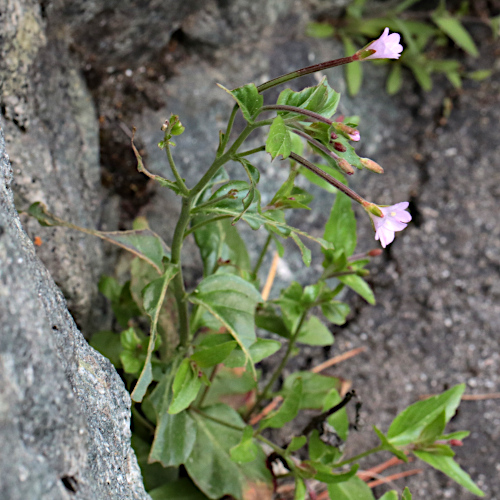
(154,295)
(288,410)
(359,285)
(353,489)
(454,29)
(353,71)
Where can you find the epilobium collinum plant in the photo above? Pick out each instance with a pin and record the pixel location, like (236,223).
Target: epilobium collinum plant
(200,407)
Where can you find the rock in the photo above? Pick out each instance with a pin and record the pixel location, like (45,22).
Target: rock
(52,135)
(64,412)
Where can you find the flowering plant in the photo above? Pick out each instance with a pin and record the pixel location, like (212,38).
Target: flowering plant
(203,411)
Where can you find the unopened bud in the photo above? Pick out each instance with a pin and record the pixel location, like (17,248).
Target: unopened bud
(333,135)
(373,209)
(374,252)
(456,442)
(352,133)
(345,166)
(339,147)
(371,165)
(165,125)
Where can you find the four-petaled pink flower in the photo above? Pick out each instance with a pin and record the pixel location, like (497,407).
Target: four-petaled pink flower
(385,47)
(395,219)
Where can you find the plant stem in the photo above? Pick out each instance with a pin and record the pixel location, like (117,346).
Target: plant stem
(178,178)
(216,420)
(192,229)
(228,128)
(358,457)
(252,151)
(207,387)
(178,280)
(328,178)
(299,111)
(262,255)
(306,71)
(316,143)
(275,447)
(284,361)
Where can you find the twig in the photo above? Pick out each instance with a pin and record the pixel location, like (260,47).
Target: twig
(266,410)
(399,475)
(368,474)
(338,359)
(270,277)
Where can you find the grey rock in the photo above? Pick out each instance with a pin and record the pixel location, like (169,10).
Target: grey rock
(52,134)
(64,412)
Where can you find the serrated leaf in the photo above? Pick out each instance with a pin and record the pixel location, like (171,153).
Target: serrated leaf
(279,141)
(408,425)
(359,285)
(454,29)
(210,465)
(449,467)
(248,99)
(145,244)
(231,300)
(353,489)
(315,389)
(154,295)
(288,410)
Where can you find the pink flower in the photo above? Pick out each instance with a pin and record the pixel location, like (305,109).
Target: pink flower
(395,219)
(385,47)
(354,136)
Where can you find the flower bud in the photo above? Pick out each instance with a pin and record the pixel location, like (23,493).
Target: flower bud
(333,135)
(371,165)
(352,133)
(339,147)
(375,252)
(373,209)
(345,166)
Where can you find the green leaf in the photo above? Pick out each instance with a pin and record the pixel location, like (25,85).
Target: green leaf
(454,29)
(408,425)
(336,312)
(174,434)
(145,244)
(321,99)
(182,489)
(353,71)
(340,228)
(338,420)
(186,385)
(432,431)
(262,348)
(205,358)
(315,388)
(279,141)
(314,332)
(210,465)
(296,443)
(359,285)
(388,446)
(421,74)
(248,99)
(390,495)
(109,345)
(450,468)
(320,451)
(480,74)
(325,475)
(406,494)
(394,80)
(288,410)
(319,30)
(312,177)
(300,489)
(305,252)
(154,295)
(353,489)
(232,301)
(247,450)
(455,435)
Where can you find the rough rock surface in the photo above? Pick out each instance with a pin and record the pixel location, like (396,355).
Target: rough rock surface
(64,412)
